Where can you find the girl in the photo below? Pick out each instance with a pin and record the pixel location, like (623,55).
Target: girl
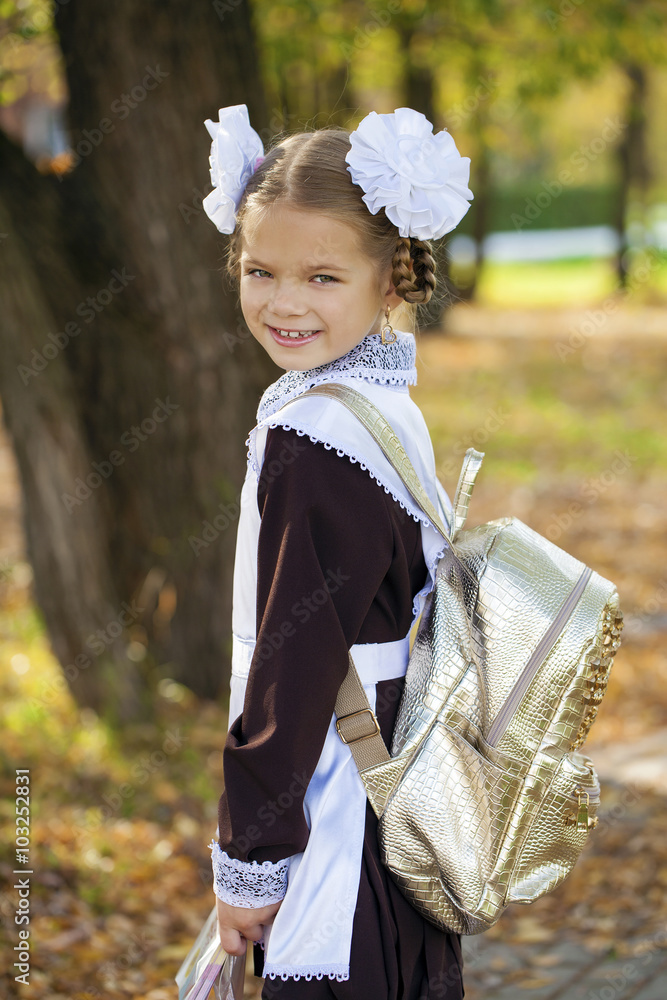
(329,235)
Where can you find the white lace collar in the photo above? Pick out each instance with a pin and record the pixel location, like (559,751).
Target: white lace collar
(371,359)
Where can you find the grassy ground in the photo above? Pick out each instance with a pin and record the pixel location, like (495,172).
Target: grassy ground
(576,281)
(575,447)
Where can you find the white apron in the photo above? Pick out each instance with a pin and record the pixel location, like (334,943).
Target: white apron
(312,931)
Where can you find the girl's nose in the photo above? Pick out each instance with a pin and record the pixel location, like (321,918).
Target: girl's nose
(286,301)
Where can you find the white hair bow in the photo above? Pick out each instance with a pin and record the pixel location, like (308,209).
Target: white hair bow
(420,179)
(236,152)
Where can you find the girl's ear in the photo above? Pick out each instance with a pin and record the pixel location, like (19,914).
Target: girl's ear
(391,297)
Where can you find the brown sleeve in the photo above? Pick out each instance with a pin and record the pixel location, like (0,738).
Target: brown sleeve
(335,553)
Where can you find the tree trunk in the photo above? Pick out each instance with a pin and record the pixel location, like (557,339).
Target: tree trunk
(418,83)
(632,159)
(480,182)
(480,210)
(128,380)
(419,94)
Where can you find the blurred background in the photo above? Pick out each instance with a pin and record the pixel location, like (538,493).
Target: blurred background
(129,382)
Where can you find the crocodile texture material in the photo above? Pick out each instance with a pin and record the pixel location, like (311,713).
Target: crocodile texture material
(486,799)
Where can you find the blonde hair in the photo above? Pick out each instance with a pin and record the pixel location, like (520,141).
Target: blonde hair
(308,171)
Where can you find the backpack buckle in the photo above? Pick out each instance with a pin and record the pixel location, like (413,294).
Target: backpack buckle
(364,736)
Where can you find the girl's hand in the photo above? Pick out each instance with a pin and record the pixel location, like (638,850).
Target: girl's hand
(238,923)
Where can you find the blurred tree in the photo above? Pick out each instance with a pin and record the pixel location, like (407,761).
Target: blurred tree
(634,174)
(580,42)
(487,70)
(304,48)
(127,380)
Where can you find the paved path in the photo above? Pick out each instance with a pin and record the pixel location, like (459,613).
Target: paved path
(548,966)
(566,971)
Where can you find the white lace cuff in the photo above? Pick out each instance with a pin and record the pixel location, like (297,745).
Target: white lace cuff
(247,883)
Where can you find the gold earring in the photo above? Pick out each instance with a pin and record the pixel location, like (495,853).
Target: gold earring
(387,334)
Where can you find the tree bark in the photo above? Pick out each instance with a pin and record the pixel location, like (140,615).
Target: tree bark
(480,210)
(418,81)
(145,391)
(632,159)
(419,94)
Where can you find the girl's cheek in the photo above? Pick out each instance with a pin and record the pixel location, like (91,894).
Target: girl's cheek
(248,301)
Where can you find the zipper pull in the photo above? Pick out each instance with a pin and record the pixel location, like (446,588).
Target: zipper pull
(582,809)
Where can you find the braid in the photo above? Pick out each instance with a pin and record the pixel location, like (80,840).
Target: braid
(416,284)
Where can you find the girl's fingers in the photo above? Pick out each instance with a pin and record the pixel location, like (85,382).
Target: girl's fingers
(238,925)
(254,933)
(232,941)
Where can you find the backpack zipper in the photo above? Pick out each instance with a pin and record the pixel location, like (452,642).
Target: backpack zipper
(536,659)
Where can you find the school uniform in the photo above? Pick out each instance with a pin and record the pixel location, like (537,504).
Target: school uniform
(332,555)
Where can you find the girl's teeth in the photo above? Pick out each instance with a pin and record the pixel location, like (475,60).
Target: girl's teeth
(295,333)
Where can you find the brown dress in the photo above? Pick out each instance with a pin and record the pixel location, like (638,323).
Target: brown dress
(339,562)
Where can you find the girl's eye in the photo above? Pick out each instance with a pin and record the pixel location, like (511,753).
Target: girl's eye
(257,270)
(329,279)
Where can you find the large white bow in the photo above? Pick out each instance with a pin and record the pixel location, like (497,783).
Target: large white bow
(236,152)
(420,179)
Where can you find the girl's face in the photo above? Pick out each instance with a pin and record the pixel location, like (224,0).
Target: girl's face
(302,273)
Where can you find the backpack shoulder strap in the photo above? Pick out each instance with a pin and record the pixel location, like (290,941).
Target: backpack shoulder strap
(472,463)
(379,427)
(356,723)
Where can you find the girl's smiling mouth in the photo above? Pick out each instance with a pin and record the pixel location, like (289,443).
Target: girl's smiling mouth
(292,338)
